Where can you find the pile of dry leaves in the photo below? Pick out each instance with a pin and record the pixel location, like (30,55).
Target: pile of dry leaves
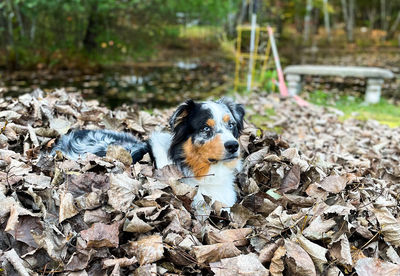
(320,199)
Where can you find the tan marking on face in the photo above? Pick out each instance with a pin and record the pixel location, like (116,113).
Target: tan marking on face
(197,156)
(226,118)
(210,123)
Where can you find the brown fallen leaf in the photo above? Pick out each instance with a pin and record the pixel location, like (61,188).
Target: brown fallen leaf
(37,181)
(340,252)
(392,255)
(215,252)
(240,215)
(122,262)
(259,203)
(298,261)
(319,228)
(334,271)
(334,183)
(52,242)
(80,184)
(60,124)
(241,265)
(136,225)
(376,267)
(291,180)
(167,173)
(97,215)
(119,153)
(146,270)
(23,228)
(290,153)
(314,190)
(268,251)
(277,266)
(254,158)
(67,207)
(123,190)
(17,263)
(316,252)
(101,235)
(78,261)
(148,249)
(237,236)
(390,226)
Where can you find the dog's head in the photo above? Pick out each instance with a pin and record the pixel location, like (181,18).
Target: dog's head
(206,133)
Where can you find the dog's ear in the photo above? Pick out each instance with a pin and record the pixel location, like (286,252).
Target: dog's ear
(237,111)
(181,113)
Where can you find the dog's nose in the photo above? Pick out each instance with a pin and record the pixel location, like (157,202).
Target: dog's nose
(231,146)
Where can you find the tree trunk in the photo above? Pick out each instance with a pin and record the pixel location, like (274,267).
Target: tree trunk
(278,17)
(394,27)
(89,41)
(326,20)
(384,24)
(9,24)
(230,20)
(371,18)
(348,17)
(297,18)
(242,12)
(3,27)
(19,19)
(307,21)
(350,25)
(32,32)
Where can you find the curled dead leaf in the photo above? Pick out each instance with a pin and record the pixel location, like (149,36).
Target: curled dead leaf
(148,249)
(67,207)
(237,236)
(101,235)
(119,153)
(334,183)
(215,252)
(291,180)
(298,261)
(376,267)
(241,265)
(277,266)
(390,226)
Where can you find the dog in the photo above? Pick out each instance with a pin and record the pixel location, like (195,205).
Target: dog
(203,144)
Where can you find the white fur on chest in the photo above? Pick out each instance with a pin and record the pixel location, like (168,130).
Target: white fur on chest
(219,185)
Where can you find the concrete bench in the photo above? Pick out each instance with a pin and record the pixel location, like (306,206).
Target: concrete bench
(373,75)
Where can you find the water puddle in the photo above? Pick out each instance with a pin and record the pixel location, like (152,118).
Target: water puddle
(149,86)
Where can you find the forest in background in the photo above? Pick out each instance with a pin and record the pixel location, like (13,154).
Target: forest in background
(42,33)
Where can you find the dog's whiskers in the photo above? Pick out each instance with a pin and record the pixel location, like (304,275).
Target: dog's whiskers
(186,177)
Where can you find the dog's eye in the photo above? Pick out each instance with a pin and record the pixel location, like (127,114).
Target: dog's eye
(206,129)
(231,125)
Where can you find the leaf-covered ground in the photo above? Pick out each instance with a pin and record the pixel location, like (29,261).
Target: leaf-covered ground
(322,198)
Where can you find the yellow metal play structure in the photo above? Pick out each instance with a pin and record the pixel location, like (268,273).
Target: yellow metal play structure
(241,56)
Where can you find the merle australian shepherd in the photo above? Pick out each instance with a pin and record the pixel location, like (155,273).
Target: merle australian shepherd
(203,144)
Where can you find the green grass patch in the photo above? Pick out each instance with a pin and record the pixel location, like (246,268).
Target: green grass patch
(199,31)
(354,107)
(261,120)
